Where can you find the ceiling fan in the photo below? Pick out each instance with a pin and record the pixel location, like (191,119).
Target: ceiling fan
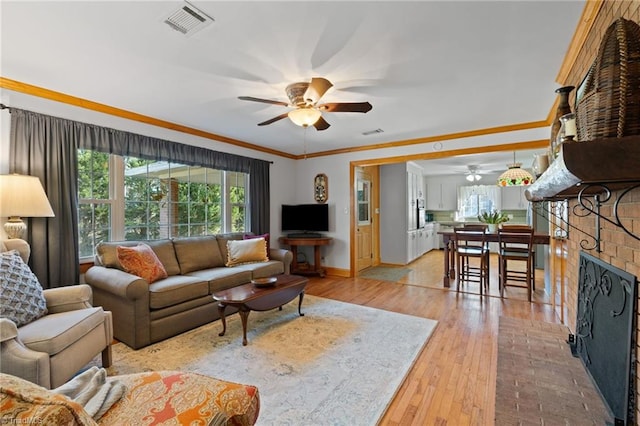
(304,98)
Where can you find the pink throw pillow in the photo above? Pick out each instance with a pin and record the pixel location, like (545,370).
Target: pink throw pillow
(141,261)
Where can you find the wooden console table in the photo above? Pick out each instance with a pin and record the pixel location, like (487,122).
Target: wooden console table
(316,242)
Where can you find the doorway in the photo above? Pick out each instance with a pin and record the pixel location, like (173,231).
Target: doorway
(366,221)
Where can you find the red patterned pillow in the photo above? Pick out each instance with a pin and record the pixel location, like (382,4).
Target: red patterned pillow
(141,260)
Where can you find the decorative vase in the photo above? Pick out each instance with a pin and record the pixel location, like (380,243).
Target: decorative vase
(567,132)
(492,227)
(563,109)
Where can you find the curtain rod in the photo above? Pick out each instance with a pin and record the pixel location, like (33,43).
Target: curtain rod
(3,106)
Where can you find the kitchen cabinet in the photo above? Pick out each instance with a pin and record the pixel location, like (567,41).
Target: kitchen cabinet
(442,194)
(400,187)
(513,198)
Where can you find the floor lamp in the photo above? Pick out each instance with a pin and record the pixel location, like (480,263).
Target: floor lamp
(22,196)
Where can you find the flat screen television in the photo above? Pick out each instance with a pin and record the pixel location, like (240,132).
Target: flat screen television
(305,219)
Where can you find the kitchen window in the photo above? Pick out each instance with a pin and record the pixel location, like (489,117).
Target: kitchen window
(476,199)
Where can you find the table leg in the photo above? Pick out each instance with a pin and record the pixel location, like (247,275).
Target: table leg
(294,261)
(300,304)
(244,315)
(452,259)
(316,261)
(445,280)
(221,308)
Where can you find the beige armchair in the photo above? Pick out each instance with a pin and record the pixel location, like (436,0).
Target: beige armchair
(51,349)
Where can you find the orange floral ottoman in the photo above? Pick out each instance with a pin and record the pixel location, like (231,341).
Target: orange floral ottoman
(153,398)
(174,397)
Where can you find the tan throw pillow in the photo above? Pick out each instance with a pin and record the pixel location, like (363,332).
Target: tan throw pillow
(246,251)
(21,295)
(141,261)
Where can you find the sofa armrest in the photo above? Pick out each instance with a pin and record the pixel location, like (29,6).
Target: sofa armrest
(18,360)
(117,282)
(283,255)
(70,298)
(126,296)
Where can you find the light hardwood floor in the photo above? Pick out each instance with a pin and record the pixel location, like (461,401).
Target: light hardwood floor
(453,379)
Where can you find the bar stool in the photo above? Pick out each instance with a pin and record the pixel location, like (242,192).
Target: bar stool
(470,243)
(516,246)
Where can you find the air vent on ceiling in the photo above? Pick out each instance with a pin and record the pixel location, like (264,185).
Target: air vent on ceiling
(372,132)
(188,19)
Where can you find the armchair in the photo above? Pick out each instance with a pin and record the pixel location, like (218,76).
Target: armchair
(51,349)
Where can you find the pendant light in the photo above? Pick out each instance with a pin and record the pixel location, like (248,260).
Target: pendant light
(515,175)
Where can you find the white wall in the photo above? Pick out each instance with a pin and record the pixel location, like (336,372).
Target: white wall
(291,180)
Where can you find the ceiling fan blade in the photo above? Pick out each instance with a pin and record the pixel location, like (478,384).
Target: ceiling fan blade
(321,124)
(346,107)
(264,101)
(317,88)
(274,119)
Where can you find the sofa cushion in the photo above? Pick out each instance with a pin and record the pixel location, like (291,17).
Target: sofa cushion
(23,402)
(173,397)
(107,255)
(222,242)
(263,270)
(140,260)
(176,289)
(223,278)
(55,332)
(246,251)
(21,298)
(195,253)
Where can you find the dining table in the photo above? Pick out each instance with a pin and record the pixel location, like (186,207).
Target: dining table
(448,240)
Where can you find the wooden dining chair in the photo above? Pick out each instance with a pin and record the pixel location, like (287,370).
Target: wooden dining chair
(516,248)
(470,243)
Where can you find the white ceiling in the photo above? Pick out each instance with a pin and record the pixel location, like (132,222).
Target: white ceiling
(428,68)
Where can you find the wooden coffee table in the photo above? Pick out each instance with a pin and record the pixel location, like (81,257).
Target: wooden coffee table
(250,297)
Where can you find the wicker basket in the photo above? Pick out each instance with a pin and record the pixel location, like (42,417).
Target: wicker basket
(610,104)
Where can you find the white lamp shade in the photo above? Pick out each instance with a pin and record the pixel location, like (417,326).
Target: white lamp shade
(23,196)
(304,116)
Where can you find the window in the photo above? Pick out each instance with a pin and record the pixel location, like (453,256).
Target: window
(128,198)
(473,200)
(364,201)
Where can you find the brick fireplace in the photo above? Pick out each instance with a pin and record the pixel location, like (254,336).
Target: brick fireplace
(617,247)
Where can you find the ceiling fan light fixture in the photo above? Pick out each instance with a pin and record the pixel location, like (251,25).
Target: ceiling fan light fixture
(304,117)
(472,174)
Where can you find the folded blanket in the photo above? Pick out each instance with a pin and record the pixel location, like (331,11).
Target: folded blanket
(91,390)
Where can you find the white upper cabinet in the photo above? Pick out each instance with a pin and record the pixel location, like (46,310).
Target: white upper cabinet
(513,198)
(442,194)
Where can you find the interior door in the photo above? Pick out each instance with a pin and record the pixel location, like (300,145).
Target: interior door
(364,231)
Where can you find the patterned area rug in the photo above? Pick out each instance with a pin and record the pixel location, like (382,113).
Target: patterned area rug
(385,273)
(539,382)
(340,364)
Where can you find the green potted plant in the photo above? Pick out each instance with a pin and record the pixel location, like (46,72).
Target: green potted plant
(493,219)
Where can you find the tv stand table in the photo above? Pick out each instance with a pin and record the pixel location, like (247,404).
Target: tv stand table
(316,242)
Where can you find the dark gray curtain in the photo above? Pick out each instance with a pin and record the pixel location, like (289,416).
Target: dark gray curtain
(45,146)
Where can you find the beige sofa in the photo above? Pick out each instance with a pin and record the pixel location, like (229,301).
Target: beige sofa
(147,313)
(51,349)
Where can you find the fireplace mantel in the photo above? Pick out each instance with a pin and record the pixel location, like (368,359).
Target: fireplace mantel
(589,167)
(591,171)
